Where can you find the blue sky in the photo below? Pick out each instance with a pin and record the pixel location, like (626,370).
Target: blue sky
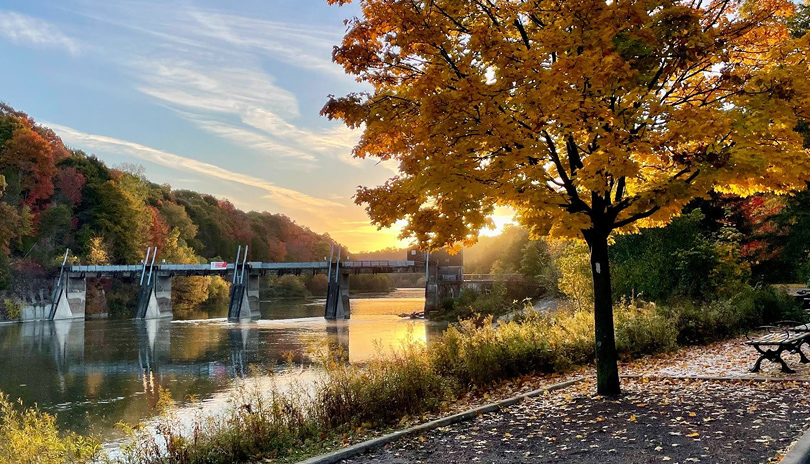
(217,97)
(214,98)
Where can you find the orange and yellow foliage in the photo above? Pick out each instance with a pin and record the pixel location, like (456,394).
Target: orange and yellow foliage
(584,116)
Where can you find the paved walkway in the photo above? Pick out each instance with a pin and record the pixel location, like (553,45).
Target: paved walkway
(677,421)
(656,420)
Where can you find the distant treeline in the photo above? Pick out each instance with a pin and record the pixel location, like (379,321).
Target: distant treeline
(53,197)
(717,247)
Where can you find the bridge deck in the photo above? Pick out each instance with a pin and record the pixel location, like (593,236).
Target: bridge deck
(252,267)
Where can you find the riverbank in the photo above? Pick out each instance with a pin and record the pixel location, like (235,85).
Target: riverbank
(93,374)
(350,402)
(469,364)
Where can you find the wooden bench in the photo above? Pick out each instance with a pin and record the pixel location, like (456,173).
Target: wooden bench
(777,340)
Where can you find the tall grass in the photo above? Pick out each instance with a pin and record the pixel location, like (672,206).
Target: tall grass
(389,386)
(477,355)
(299,419)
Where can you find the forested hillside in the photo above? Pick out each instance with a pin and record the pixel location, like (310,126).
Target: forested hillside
(53,197)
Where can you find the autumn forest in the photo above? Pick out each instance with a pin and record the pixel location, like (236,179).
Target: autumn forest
(55,197)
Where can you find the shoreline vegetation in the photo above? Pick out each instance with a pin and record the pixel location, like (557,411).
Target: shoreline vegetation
(347,401)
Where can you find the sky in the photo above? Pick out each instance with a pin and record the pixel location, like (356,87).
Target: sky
(217,97)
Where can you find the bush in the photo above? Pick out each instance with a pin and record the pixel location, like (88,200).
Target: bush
(286,286)
(773,305)
(721,319)
(12,309)
(681,260)
(267,423)
(473,305)
(218,293)
(575,280)
(317,284)
(482,354)
(28,435)
(370,283)
(642,329)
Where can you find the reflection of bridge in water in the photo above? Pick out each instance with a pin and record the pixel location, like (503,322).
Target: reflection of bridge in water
(249,348)
(116,369)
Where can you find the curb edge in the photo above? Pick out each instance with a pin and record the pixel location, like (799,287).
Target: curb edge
(799,452)
(374,443)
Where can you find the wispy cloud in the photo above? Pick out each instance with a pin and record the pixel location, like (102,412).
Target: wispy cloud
(214,69)
(287,198)
(209,95)
(255,140)
(33,32)
(214,88)
(300,46)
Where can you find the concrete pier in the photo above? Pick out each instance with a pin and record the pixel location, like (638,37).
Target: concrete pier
(71,299)
(155,299)
(163,295)
(338,305)
(244,301)
(443,282)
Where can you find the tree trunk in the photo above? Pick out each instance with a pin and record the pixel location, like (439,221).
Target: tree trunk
(607,369)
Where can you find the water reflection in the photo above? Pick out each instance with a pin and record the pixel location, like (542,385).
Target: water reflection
(96,373)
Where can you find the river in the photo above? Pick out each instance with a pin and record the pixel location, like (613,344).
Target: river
(93,374)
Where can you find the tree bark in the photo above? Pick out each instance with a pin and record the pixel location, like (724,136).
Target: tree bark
(607,369)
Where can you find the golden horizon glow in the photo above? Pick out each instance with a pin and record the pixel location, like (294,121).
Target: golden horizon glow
(367,239)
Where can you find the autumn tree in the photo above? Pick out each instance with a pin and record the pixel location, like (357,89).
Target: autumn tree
(28,159)
(70,182)
(587,117)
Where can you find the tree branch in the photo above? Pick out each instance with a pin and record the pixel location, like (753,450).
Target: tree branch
(523,34)
(636,217)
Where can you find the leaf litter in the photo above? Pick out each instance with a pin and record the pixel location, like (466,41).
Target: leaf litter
(660,417)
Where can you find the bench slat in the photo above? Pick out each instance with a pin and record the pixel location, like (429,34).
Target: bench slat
(779,339)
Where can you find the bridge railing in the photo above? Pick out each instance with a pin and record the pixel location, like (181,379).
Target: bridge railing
(112,268)
(192,267)
(279,266)
(354,264)
(490,277)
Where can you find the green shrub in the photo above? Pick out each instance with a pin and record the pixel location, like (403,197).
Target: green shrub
(371,283)
(473,305)
(685,259)
(13,309)
(720,319)
(286,286)
(575,280)
(773,304)
(642,329)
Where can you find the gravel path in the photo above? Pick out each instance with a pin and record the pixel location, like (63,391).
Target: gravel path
(655,420)
(727,358)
